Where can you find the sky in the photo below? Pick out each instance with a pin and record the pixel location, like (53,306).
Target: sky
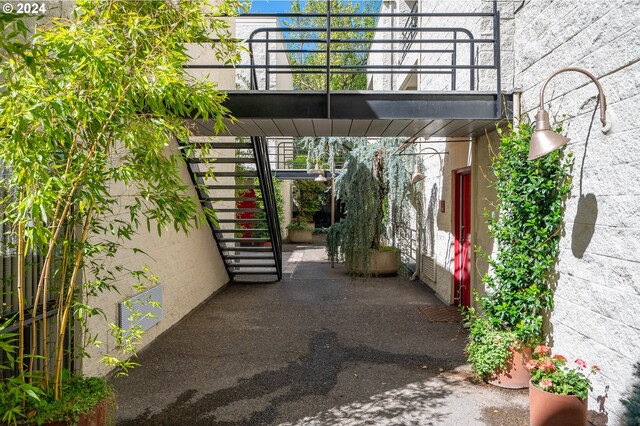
(280,6)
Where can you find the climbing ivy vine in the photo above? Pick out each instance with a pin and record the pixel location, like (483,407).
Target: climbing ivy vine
(526,225)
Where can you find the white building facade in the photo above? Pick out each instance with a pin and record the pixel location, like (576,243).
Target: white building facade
(597,300)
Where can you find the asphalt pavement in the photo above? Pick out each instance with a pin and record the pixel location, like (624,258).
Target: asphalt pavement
(317,348)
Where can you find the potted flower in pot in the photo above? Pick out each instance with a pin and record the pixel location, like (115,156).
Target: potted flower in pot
(526,226)
(557,392)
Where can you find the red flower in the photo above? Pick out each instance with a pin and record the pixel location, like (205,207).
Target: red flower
(560,357)
(542,350)
(581,363)
(546,383)
(595,368)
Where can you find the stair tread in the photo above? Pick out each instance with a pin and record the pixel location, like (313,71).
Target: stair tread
(251,265)
(240,220)
(212,160)
(227,174)
(248,240)
(227,186)
(214,199)
(246,256)
(239,210)
(221,145)
(256,272)
(241,230)
(248,249)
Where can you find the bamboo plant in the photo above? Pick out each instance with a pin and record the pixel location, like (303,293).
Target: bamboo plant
(88,107)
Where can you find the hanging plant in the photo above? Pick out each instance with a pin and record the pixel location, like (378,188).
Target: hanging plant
(526,225)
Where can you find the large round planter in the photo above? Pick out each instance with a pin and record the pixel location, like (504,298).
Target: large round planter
(383,263)
(300,236)
(516,376)
(549,409)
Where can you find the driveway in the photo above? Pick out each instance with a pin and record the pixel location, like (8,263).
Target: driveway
(316,348)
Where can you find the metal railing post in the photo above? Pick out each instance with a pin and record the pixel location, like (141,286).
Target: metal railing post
(496,59)
(328,59)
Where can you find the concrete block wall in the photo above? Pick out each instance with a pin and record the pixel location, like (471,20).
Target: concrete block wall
(597,300)
(481,28)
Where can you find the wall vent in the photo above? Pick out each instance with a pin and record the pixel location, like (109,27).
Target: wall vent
(140,311)
(428,267)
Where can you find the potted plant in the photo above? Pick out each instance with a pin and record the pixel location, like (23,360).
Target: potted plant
(88,107)
(557,392)
(373,187)
(526,226)
(300,232)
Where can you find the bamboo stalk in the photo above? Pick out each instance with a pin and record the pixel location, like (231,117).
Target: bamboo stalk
(20,298)
(68,303)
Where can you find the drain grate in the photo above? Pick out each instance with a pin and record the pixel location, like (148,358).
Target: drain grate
(441,313)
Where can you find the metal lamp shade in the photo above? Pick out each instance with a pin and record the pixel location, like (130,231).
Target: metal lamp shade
(316,169)
(417,176)
(321,178)
(544,140)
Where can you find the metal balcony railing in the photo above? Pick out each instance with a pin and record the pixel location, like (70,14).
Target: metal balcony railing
(447,48)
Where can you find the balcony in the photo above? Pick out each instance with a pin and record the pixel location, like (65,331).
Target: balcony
(455,74)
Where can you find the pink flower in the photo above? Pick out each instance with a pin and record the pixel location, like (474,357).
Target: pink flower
(595,368)
(546,383)
(560,357)
(581,363)
(531,365)
(542,350)
(547,365)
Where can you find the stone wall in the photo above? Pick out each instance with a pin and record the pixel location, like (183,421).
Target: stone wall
(596,315)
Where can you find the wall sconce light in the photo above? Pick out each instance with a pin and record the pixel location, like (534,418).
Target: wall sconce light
(417,175)
(321,178)
(544,140)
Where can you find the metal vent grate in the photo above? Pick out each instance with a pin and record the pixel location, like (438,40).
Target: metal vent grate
(139,311)
(428,267)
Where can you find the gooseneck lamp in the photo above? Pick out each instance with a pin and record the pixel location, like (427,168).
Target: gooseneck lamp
(417,175)
(544,139)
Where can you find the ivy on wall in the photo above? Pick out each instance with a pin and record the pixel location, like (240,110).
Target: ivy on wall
(527,226)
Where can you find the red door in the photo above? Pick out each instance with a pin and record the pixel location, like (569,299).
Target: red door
(462,261)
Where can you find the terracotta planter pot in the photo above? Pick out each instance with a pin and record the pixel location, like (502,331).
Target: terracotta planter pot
(300,236)
(549,409)
(380,263)
(517,376)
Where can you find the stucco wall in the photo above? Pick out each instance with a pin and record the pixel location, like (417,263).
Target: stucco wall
(189,267)
(596,315)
